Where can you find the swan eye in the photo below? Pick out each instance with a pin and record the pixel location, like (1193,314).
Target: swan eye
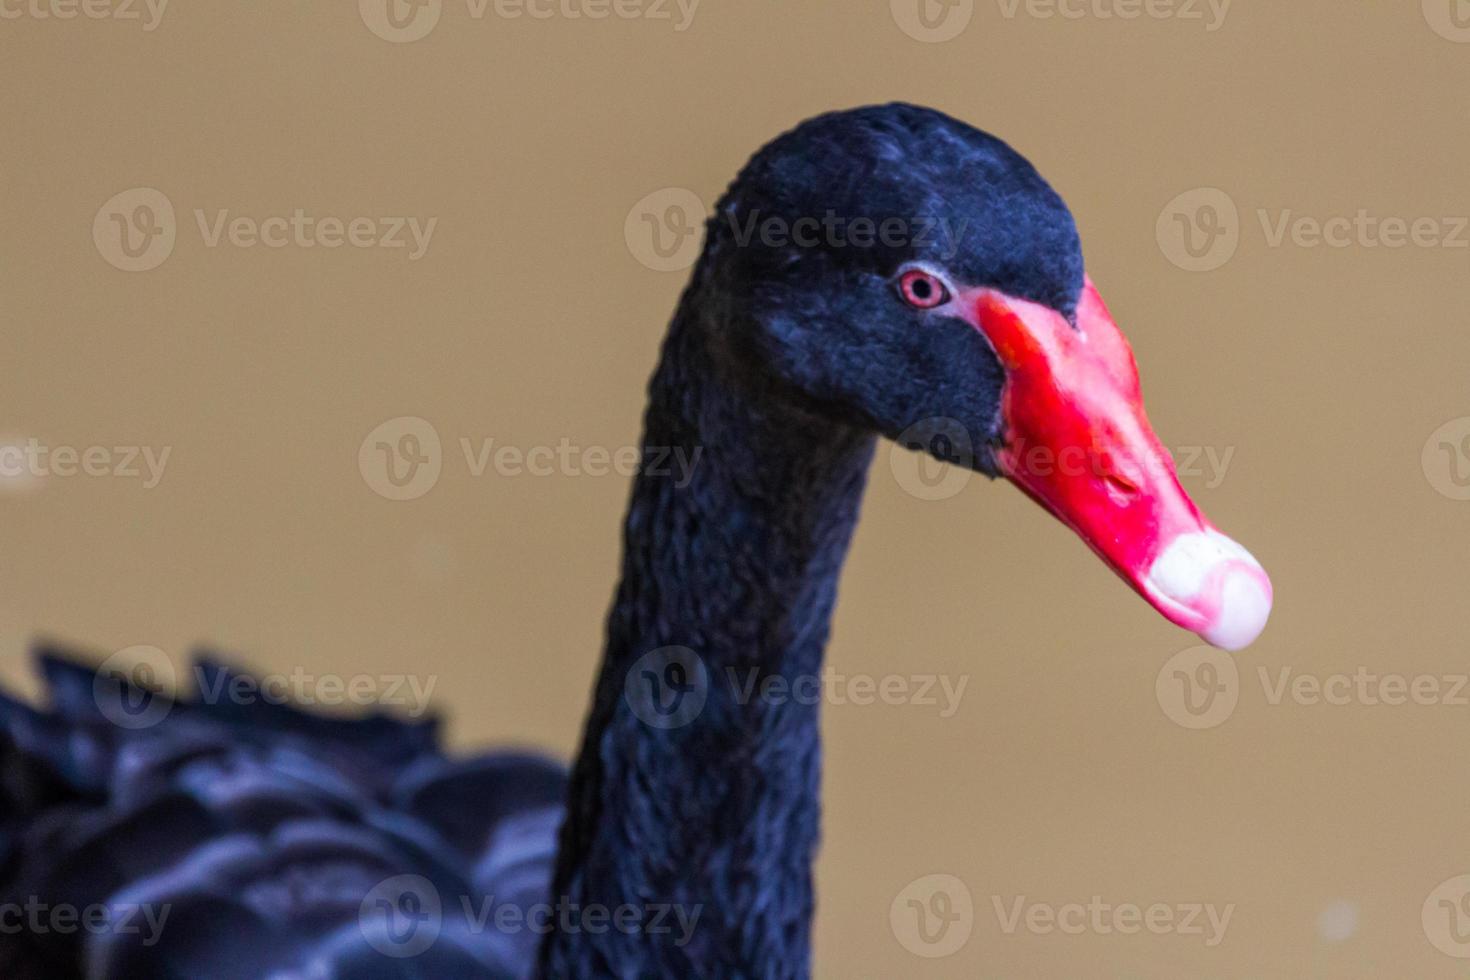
(922,290)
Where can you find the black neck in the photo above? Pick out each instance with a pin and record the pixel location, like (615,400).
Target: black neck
(715,812)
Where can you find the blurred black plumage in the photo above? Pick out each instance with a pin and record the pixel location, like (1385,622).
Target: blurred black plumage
(257,838)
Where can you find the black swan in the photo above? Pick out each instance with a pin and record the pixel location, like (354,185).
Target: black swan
(197,838)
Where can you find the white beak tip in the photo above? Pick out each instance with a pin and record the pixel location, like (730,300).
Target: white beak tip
(1245,605)
(1210,584)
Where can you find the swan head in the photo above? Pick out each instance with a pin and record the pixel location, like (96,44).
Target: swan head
(894,269)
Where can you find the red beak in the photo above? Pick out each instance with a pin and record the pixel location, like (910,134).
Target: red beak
(1077,442)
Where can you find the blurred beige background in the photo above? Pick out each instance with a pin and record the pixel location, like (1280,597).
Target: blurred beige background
(1324,369)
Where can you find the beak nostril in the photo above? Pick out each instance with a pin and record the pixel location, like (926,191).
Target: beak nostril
(1121,486)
